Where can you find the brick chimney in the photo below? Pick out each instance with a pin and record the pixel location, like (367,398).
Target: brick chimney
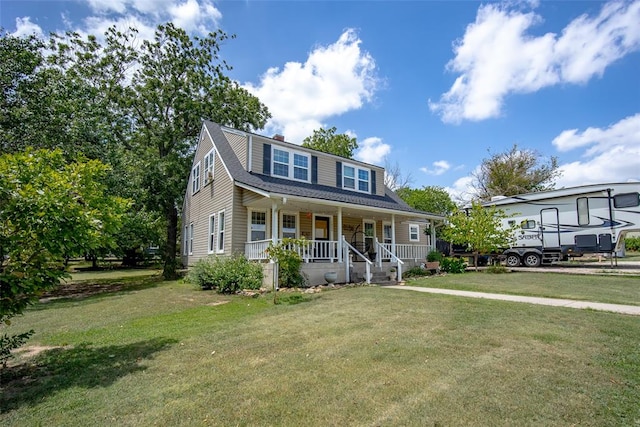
(278,137)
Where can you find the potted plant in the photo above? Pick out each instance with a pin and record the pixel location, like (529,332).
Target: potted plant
(433,260)
(392,273)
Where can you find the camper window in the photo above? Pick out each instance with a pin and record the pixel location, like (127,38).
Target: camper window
(528,224)
(583,211)
(628,200)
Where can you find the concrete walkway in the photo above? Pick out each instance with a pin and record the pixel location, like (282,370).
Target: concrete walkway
(616,308)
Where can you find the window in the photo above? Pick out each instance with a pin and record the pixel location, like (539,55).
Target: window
(185,240)
(511,222)
(583,211)
(355,178)
(289,226)
(414,232)
(258,226)
(208,166)
(363,180)
(195,179)
(191,239)
(528,224)
(281,163)
(221,231)
(290,164)
(300,167)
(628,200)
(386,233)
(212,233)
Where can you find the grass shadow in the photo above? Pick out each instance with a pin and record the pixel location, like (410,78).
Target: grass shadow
(84,366)
(72,292)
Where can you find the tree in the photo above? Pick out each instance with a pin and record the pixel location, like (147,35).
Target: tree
(514,172)
(327,141)
(393,177)
(50,209)
(163,88)
(479,228)
(432,199)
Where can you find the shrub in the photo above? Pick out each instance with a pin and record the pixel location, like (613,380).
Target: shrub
(289,262)
(434,256)
(632,244)
(497,269)
(226,274)
(416,272)
(453,265)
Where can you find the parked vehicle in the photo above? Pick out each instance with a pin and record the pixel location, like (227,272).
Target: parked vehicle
(556,224)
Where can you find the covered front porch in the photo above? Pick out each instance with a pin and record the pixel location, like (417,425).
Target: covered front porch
(354,241)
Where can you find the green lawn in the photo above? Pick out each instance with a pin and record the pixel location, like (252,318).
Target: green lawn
(168,354)
(609,289)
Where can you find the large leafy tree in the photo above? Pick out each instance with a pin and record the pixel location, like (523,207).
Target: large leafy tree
(163,88)
(480,228)
(432,199)
(50,209)
(514,171)
(327,141)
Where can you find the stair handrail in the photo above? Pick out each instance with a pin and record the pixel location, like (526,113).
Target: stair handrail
(381,249)
(359,254)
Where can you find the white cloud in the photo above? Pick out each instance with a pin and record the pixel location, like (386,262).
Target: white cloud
(462,191)
(333,80)
(439,167)
(24,27)
(372,150)
(194,16)
(612,154)
(497,56)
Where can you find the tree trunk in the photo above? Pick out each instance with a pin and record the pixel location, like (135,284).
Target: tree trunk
(475,259)
(170,262)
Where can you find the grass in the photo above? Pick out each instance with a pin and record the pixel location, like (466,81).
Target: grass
(607,289)
(169,354)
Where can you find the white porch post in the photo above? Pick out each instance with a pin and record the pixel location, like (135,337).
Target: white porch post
(433,234)
(274,222)
(393,234)
(340,234)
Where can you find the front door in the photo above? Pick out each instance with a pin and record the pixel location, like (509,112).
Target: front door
(550,229)
(321,227)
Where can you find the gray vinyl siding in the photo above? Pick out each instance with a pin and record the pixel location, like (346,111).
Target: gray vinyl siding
(212,198)
(256,153)
(238,227)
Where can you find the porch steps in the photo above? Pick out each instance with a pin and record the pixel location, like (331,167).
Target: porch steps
(381,278)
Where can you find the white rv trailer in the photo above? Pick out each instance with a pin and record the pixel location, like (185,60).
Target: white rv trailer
(553,225)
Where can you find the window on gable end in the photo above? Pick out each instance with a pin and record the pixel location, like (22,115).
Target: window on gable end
(209,159)
(195,179)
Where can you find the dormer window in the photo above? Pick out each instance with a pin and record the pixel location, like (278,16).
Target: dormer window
(290,164)
(356,178)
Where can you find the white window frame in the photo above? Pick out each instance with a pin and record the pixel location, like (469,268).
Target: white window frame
(220,232)
(212,234)
(185,241)
(386,224)
(356,178)
(250,221)
(415,227)
(195,178)
(291,166)
(191,238)
(297,227)
(209,160)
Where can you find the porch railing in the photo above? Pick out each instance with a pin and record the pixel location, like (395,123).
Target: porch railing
(407,251)
(327,250)
(314,250)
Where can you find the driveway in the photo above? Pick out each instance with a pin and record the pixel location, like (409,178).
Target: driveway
(620,267)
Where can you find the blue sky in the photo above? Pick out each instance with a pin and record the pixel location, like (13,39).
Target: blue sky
(431,86)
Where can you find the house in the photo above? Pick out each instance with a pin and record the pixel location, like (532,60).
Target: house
(246,190)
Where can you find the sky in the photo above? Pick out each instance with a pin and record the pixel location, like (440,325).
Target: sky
(432,87)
